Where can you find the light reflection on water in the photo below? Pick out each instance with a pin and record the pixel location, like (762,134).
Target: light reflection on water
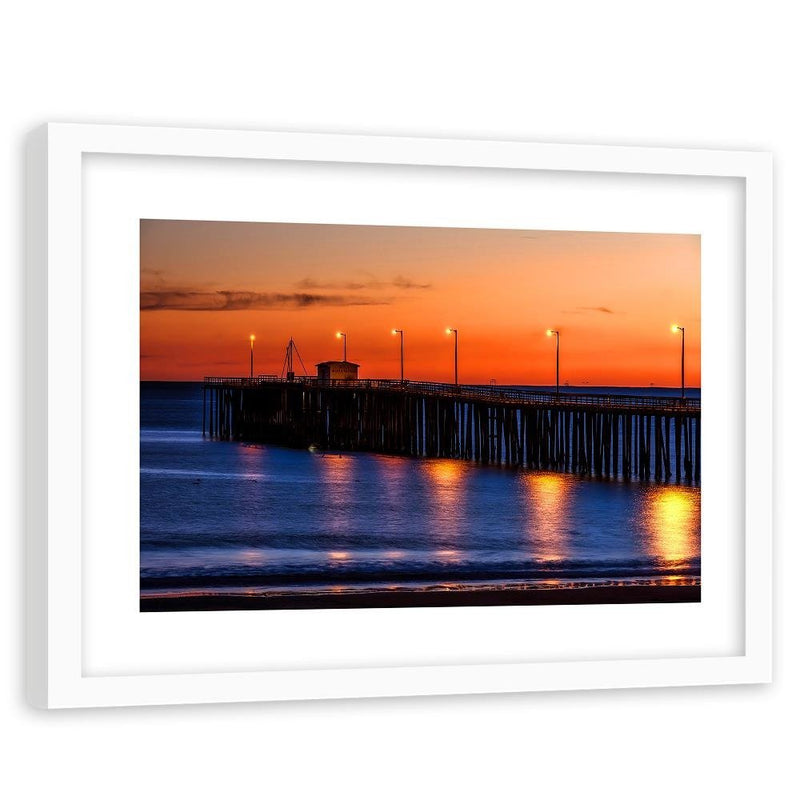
(547,497)
(373,518)
(337,480)
(671,516)
(445,482)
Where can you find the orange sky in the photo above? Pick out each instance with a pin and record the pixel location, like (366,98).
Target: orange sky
(207,286)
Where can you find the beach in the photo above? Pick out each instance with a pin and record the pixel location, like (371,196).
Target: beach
(430,598)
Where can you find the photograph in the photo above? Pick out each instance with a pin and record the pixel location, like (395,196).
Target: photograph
(368,416)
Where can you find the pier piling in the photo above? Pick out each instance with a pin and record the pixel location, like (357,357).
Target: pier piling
(603,436)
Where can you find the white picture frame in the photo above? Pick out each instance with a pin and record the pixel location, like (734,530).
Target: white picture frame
(62,484)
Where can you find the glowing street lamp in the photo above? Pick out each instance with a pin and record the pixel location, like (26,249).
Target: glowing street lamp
(395,331)
(555,333)
(675,329)
(343,336)
(252,340)
(454,331)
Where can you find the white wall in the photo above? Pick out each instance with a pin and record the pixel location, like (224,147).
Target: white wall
(684,73)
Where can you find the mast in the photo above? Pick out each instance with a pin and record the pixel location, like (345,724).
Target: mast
(288,361)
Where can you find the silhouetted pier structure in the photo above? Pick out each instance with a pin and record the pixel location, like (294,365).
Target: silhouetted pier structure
(626,436)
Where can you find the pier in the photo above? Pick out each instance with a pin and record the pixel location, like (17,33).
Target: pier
(604,436)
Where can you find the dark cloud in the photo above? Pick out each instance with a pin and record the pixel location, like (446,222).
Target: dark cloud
(310,284)
(590,310)
(400,282)
(600,309)
(225,300)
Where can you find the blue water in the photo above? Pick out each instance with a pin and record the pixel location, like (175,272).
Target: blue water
(230,517)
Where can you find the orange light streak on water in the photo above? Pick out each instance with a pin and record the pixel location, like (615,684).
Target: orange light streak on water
(445,479)
(671,515)
(338,484)
(547,495)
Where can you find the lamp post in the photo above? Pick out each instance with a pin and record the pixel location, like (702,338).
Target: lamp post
(343,336)
(395,331)
(675,329)
(555,333)
(454,331)
(252,340)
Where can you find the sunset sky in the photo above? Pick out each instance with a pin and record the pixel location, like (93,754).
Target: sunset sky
(206,287)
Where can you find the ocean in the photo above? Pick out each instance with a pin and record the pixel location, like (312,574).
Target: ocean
(233,518)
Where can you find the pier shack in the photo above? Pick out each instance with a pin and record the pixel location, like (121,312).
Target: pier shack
(331,371)
(604,436)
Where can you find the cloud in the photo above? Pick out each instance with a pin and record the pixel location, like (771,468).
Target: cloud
(400,282)
(311,284)
(598,309)
(601,309)
(590,310)
(227,300)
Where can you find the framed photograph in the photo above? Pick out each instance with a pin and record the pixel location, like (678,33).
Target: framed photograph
(317,416)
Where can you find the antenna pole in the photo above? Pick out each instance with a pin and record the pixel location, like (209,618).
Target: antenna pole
(290,359)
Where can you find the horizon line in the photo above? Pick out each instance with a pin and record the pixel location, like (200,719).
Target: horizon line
(411,380)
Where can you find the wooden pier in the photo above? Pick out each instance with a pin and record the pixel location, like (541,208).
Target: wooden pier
(609,436)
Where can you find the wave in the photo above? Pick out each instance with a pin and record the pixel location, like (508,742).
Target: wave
(226,476)
(428,572)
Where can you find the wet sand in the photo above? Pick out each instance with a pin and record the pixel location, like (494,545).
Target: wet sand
(430,598)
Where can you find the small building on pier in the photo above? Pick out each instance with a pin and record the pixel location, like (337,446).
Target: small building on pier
(337,371)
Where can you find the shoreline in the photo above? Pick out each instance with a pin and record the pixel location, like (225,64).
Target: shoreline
(432,598)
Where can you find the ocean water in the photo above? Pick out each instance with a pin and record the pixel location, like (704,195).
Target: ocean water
(235,518)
